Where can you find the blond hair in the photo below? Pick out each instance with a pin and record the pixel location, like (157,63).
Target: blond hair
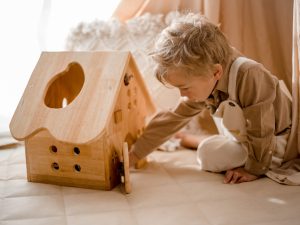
(192,43)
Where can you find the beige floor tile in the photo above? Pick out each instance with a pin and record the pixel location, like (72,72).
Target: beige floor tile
(37,221)
(211,191)
(266,187)
(249,210)
(5,155)
(192,173)
(284,206)
(17,156)
(1,208)
(278,222)
(105,218)
(2,184)
(21,187)
(152,175)
(177,214)
(3,172)
(157,196)
(177,158)
(75,191)
(16,171)
(31,207)
(95,202)
(182,166)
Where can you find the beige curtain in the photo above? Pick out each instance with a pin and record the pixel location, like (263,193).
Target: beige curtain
(296,71)
(260,29)
(132,8)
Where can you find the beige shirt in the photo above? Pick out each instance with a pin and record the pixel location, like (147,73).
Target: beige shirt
(266,108)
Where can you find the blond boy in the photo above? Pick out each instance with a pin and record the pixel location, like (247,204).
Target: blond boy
(251,111)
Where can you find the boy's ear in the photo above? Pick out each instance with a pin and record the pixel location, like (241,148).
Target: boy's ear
(218,71)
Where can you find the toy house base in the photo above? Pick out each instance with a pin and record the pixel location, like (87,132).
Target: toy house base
(85,166)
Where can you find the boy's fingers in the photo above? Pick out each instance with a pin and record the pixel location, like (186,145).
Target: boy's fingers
(235,178)
(228,176)
(132,159)
(238,175)
(243,179)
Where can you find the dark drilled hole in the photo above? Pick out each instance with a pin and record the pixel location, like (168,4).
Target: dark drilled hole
(76,151)
(55,166)
(127,79)
(77,168)
(53,149)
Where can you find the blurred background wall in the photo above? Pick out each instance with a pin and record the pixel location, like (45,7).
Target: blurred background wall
(261,29)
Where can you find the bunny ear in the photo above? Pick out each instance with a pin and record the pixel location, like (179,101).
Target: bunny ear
(234,120)
(220,110)
(230,121)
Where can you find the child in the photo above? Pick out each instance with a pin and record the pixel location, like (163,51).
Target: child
(249,107)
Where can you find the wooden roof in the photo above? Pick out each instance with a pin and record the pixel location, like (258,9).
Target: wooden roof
(85,118)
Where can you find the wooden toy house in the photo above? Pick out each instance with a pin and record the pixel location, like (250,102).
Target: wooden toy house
(75,114)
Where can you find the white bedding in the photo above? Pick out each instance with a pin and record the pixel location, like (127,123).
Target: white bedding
(137,35)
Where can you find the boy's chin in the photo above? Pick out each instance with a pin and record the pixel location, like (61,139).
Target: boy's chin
(195,100)
(200,99)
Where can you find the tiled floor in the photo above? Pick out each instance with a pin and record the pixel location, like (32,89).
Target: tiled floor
(170,190)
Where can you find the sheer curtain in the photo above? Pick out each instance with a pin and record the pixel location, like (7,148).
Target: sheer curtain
(296,70)
(132,8)
(19,50)
(29,27)
(60,16)
(260,29)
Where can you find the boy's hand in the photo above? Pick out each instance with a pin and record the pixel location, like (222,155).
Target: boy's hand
(133,159)
(238,175)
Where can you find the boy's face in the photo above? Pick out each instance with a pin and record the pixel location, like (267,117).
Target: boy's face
(195,88)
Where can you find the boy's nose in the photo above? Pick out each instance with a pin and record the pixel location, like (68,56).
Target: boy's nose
(182,93)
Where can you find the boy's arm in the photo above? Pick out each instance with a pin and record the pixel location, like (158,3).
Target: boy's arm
(258,108)
(163,125)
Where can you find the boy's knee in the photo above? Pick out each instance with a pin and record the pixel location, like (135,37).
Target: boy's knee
(218,153)
(205,154)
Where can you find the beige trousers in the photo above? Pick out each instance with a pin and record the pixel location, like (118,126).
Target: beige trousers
(220,153)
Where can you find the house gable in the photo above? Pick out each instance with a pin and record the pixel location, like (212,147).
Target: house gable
(84,118)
